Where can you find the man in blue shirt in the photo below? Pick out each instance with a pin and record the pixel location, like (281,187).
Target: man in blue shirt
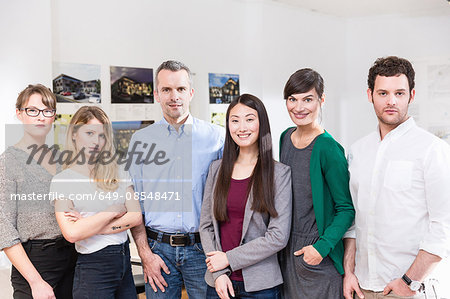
(170,164)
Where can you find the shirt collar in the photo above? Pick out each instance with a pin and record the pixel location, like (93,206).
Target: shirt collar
(399,131)
(183,129)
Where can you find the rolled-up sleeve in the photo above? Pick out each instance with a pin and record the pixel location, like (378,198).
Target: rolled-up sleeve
(437,192)
(351,232)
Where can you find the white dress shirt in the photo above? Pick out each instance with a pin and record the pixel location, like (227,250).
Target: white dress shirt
(400,188)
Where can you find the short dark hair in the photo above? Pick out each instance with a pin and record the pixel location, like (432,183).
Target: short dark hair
(303,81)
(174,66)
(262,178)
(391,66)
(48,98)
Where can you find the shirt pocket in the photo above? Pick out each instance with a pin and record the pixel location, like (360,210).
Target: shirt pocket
(398,175)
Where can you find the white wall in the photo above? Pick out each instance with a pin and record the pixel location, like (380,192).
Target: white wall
(263,43)
(25,57)
(295,39)
(145,33)
(209,36)
(419,39)
(25,52)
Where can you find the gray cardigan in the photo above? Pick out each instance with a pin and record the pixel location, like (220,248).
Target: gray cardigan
(262,236)
(28,219)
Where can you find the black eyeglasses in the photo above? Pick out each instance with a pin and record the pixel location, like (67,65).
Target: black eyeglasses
(33,112)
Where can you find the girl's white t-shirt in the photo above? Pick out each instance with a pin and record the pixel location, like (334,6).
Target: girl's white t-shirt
(90,200)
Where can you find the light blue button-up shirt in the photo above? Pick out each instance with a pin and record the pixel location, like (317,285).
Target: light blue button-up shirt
(169,171)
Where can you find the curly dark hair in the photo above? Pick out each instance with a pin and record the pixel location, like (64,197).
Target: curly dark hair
(391,66)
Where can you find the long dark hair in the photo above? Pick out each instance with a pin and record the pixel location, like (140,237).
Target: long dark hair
(262,178)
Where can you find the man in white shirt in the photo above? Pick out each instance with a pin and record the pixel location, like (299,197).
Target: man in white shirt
(400,186)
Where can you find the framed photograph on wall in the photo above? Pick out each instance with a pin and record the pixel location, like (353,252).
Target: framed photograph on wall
(61,126)
(76,83)
(218,118)
(131,85)
(223,88)
(123,130)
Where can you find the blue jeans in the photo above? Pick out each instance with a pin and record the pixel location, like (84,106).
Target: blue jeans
(239,292)
(186,265)
(105,274)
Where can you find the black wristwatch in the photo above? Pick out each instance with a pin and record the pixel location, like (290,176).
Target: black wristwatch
(414,285)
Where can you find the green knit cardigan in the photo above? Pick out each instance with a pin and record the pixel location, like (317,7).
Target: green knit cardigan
(332,202)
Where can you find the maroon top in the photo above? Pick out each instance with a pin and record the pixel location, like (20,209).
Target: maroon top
(231,231)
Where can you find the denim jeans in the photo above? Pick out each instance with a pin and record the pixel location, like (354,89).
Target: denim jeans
(186,264)
(239,292)
(105,274)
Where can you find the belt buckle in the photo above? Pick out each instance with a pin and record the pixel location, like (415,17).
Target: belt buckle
(171,240)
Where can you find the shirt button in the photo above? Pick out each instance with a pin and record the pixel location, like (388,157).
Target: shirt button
(179,216)
(178,158)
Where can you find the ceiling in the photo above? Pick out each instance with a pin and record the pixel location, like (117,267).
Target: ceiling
(361,8)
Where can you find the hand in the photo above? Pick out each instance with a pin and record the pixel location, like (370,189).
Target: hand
(399,287)
(217,260)
(223,286)
(42,290)
(351,285)
(72,215)
(152,265)
(118,209)
(310,255)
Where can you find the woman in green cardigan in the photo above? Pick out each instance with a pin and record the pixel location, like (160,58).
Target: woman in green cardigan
(322,206)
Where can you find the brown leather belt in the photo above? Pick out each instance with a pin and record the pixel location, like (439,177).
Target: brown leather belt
(174,239)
